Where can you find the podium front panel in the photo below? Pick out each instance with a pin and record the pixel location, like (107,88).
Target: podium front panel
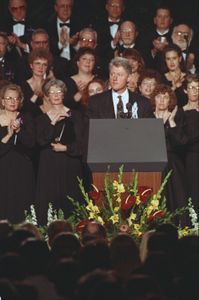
(138,144)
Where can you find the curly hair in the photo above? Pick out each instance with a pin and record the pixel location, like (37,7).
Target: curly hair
(163,89)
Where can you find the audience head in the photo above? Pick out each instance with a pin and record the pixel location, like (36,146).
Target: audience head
(191,87)
(40,60)
(163,98)
(56,227)
(30,227)
(88,38)
(3,43)
(135,60)
(128,33)
(172,58)
(40,39)
(54,90)
(65,244)
(99,285)
(93,231)
(84,60)
(163,18)
(124,254)
(182,35)
(6,229)
(17,9)
(11,93)
(115,9)
(119,72)
(148,81)
(63,9)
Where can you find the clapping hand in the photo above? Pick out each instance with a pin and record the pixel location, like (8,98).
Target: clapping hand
(15,125)
(172,117)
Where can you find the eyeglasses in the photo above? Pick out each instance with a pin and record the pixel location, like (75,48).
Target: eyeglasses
(116,5)
(10,99)
(87,40)
(193,88)
(127,30)
(55,93)
(181,33)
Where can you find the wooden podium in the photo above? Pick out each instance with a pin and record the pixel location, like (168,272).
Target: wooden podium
(150,179)
(137,144)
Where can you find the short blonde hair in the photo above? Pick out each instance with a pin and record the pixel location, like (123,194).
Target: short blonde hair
(12,87)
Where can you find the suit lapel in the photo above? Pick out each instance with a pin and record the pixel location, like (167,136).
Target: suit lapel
(108,109)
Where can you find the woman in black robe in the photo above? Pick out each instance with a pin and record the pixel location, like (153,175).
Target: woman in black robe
(164,101)
(191,138)
(59,134)
(17,138)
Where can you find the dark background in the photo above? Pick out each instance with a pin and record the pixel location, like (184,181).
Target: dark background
(141,11)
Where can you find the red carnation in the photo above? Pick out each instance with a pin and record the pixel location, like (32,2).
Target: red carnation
(128,202)
(145,192)
(124,228)
(81,225)
(157,214)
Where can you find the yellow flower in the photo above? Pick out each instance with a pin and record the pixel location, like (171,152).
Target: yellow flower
(114,218)
(131,218)
(91,215)
(149,210)
(92,208)
(116,209)
(137,201)
(137,229)
(118,186)
(155,204)
(100,220)
(118,200)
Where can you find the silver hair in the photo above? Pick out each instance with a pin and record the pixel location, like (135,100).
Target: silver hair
(54,82)
(190,36)
(88,29)
(120,62)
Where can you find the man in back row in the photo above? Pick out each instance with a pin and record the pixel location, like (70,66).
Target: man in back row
(118,101)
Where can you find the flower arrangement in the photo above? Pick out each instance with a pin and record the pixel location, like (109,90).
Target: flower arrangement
(123,207)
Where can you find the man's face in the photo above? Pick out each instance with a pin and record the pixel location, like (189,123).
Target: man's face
(17,9)
(118,79)
(40,40)
(63,9)
(181,36)
(88,40)
(128,33)
(163,19)
(115,9)
(3,46)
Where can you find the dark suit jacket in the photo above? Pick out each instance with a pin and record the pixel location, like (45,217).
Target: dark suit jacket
(101,106)
(51,28)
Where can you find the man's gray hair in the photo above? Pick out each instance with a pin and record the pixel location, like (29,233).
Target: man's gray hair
(88,29)
(121,62)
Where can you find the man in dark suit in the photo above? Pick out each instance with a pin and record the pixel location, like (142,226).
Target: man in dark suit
(119,102)
(156,38)
(18,27)
(7,70)
(107,27)
(63,29)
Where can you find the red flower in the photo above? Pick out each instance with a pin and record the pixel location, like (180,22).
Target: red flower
(157,214)
(95,196)
(128,202)
(81,225)
(145,192)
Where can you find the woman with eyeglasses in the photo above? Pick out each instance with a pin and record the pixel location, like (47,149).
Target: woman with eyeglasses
(59,137)
(191,137)
(17,138)
(40,61)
